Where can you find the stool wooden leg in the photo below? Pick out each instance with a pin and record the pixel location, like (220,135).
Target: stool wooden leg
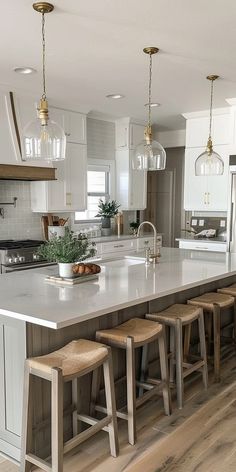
(216,324)
(179,363)
(144,367)
(203,348)
(57,420)
(164,371)
(172,354)
(96,382)
(187,336)
(208,332)
(27,421)
(234,334)
(111,404)
(75,403)
(131,389)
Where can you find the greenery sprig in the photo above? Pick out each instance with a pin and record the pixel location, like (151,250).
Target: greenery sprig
(107,209)
(68,248)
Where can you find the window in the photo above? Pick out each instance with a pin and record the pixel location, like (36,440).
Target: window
(99,179)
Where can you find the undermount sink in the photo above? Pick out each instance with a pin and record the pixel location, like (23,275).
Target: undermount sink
(124,262)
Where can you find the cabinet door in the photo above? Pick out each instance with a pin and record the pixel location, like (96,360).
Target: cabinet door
(75,127)
(195,187)
(138,188)
(76,177)
(218,186)
(122,135)
(136,135)
(197,130)
(12,357)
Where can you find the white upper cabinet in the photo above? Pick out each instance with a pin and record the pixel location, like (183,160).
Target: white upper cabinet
(205,193)
(128,135)
(131,185)
(73,123)
(197,130)
(69,192)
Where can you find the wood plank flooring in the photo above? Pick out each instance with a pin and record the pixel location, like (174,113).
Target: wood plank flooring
(199,438)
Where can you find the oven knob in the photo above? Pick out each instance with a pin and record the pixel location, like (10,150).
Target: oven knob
(21,259)
(36,257)
(10,260)
(16,260)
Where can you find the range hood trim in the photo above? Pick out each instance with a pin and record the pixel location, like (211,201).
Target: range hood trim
(26,173)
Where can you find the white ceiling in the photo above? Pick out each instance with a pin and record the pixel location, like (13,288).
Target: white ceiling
(94,48)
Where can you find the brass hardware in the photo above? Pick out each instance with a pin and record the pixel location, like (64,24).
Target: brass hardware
(209,146)
(148,134)
(212,77)
(151,50)
(43,112)
(43,7)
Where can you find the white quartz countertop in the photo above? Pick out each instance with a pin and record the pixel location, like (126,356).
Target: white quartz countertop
(27,296)
(114,237)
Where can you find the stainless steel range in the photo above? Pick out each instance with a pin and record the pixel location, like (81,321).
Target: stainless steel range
(20,255)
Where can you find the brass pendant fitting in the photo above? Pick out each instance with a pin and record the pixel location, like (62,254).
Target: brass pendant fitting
(209,147)
(148,134)
(43,7)
(43,112)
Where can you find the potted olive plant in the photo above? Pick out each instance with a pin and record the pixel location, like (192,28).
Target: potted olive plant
(67,250)
(106,211)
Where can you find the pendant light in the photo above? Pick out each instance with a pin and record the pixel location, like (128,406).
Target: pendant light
(149,154)
(43,139)
(209,162)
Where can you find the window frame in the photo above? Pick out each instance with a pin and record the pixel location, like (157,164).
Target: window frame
(99,165)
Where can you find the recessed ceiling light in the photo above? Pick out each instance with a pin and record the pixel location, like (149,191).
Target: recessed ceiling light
(115,96)
(25,70)
(153,105)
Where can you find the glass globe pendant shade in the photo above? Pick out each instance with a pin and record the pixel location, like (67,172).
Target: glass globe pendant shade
(44,139)
(209,162)
(149,154)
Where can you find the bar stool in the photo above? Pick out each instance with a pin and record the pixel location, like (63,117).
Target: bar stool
(176,317)
(74,360)
(214,303)
(131,335)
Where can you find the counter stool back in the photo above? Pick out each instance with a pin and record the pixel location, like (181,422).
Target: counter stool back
(176,317)
(131,335)
(74,360)
(214,304)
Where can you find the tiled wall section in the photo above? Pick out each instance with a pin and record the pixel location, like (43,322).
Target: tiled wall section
(101,139)
(19,222)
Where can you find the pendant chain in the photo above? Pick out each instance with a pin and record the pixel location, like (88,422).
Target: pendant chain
(44,48)
(211,103)
(150,91)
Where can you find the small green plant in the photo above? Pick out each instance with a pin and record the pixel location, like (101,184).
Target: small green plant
(67,249)
(107,209)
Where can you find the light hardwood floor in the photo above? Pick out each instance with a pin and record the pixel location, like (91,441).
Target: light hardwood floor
(199,438)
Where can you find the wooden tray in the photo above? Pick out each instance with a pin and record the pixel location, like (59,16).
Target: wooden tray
(56,279)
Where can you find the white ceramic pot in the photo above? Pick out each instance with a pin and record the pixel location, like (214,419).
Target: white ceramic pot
(65,269)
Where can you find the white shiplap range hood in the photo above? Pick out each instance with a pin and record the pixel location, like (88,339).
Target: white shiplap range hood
(12,166)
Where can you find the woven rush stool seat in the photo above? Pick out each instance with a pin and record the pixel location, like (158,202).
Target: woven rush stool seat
(176,317)
(214,303)
(231,290)
(72,361)
(140,330)
(132,334)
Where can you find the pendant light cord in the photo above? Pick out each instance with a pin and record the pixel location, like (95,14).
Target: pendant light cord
(44,49)
(150,91)
(211,104)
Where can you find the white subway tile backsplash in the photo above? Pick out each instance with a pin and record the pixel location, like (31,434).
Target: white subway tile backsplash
(19,222)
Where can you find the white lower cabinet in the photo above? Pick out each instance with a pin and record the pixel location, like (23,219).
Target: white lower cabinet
(203,246)
(12,356)
(123,247)
(69,191)
(205,193)
(131,185)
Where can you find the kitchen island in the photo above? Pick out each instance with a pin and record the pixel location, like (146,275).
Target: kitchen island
(37,317)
